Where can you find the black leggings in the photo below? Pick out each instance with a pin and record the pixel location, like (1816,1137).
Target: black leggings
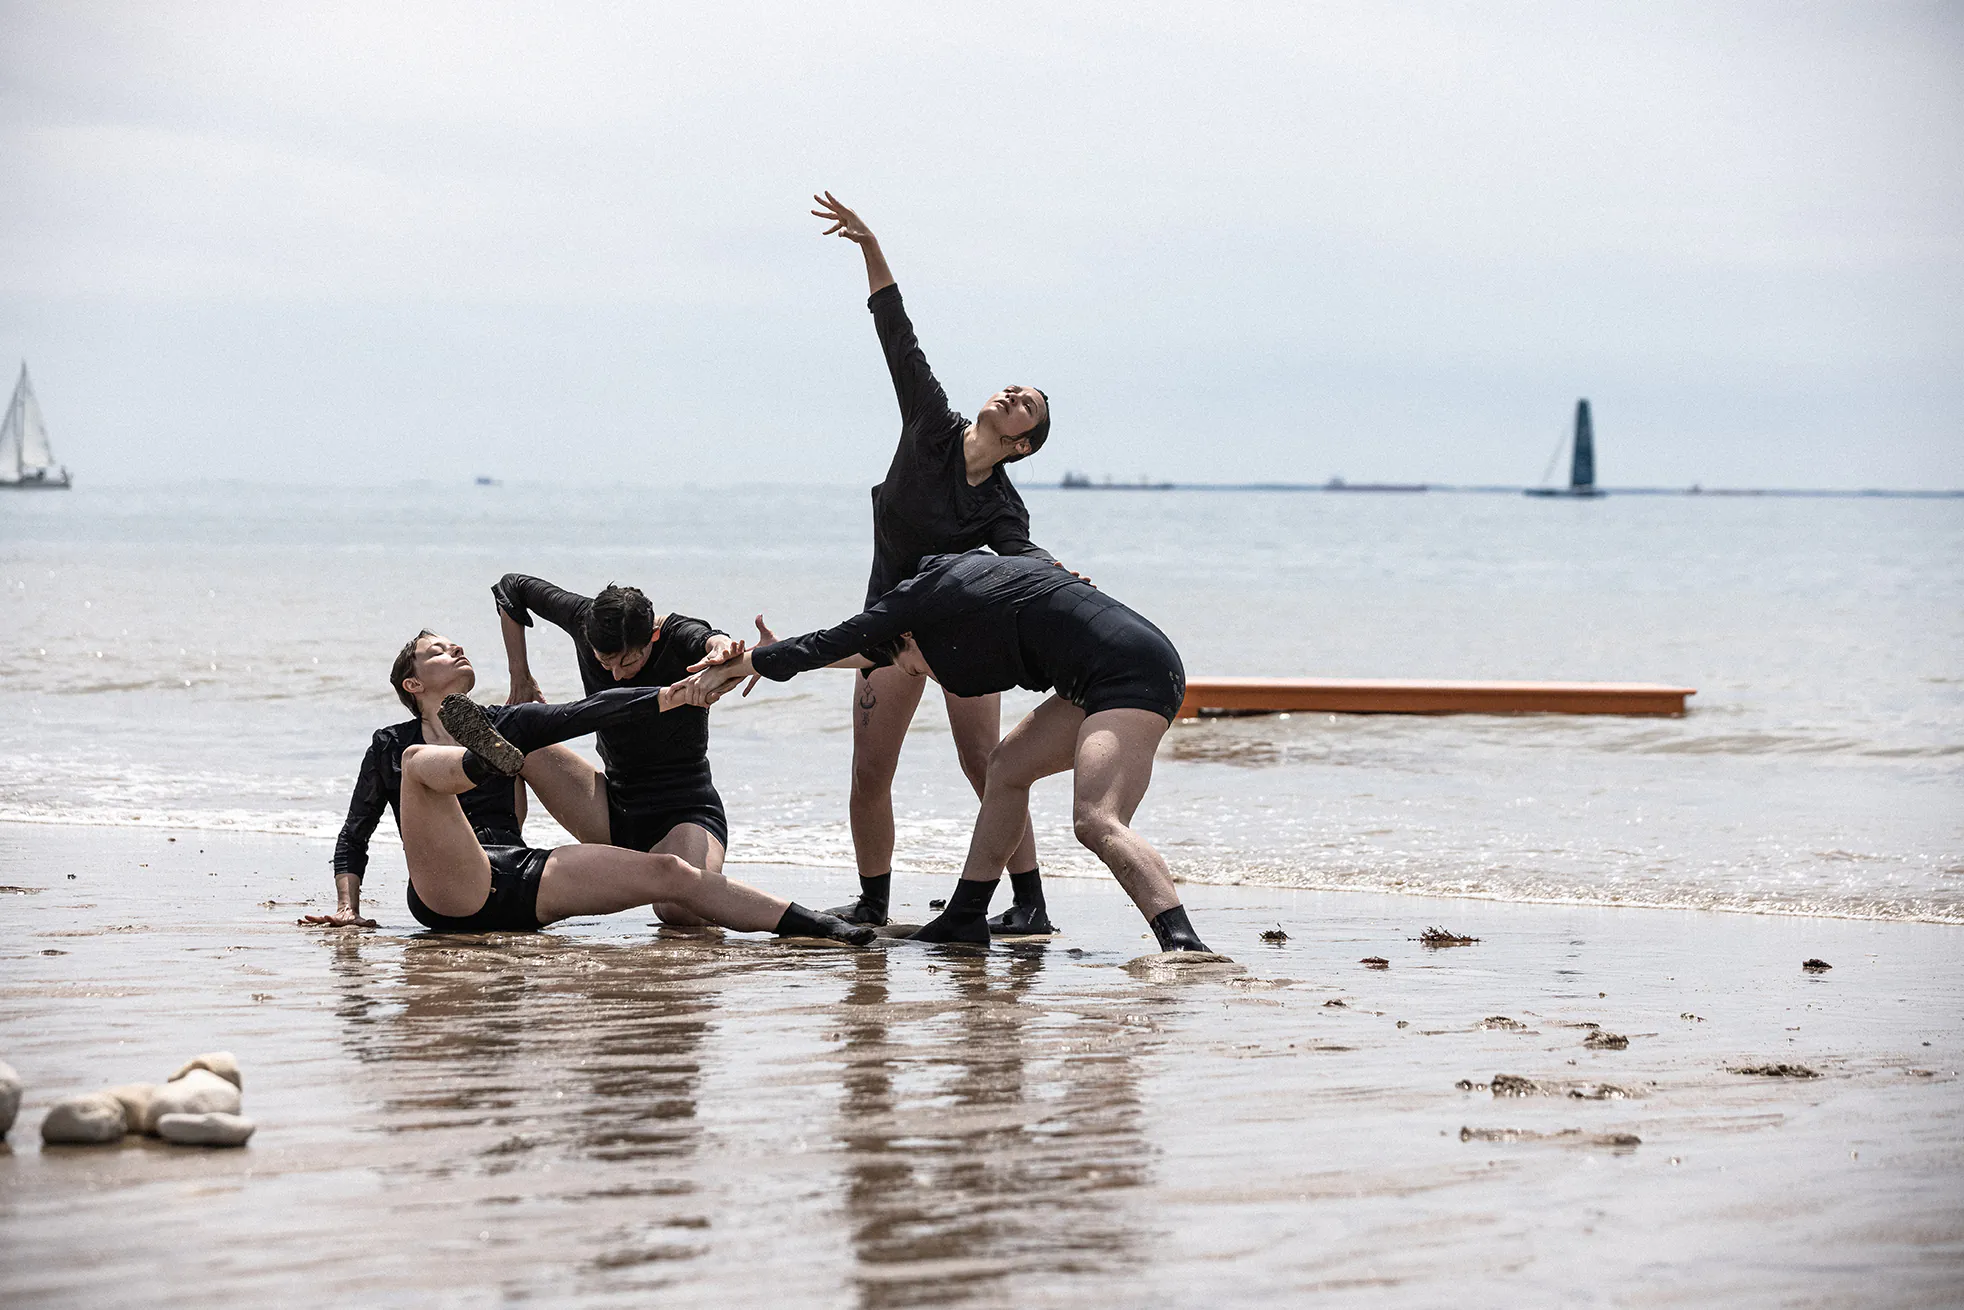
(512,906)
(1099,654)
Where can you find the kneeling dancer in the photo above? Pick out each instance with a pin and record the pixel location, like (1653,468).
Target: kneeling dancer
(980,623)
(450,776)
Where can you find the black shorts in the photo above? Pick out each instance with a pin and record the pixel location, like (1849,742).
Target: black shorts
(512,906)
(1101,655)
(638,830)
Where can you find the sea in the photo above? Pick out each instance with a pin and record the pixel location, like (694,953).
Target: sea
(215,655)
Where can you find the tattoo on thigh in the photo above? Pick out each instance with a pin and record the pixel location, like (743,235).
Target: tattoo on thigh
(867,700)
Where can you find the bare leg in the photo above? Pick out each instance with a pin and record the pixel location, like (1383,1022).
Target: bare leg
(696,846)
(605,879)
(1114,766)
(573,792)
(883,706)
(447,866)
(1045,742)
(976,722)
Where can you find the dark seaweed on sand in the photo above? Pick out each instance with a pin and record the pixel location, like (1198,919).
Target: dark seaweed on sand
(1275,936)
(1815,966)
(1436,937)
(1775,1070)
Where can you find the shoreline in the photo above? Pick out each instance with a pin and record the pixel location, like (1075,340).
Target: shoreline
(385,838)
(605,1114)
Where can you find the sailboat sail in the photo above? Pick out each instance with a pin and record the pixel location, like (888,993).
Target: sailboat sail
(26,459)
(1582,460)
(10,443)
(1582,469)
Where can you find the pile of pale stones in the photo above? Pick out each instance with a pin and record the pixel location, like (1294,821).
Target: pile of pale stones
(198,1106)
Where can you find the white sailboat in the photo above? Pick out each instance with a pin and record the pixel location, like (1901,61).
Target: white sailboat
(26,462)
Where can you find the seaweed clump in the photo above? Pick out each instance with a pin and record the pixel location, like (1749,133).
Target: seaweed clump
(1437,937)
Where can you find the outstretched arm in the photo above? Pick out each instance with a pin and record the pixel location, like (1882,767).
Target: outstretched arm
(365,809)
(849,225)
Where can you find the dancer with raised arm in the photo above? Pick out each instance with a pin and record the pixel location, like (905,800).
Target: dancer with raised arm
(980,623)
(944,491)
(656,793)
(450,776)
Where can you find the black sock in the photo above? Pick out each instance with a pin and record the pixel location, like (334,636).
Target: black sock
(478,769)
(966,918)
(1028,887)
(1174,932)
(797,921)
(876,891)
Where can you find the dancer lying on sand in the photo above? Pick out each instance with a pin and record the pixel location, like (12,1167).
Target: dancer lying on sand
(449,775)
(981,623)
(656,793)
(944,491)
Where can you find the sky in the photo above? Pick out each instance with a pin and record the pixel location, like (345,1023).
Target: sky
(362,243)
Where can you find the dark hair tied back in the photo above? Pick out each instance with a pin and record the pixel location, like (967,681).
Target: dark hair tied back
(405,667)
(1039,434)
(621,619)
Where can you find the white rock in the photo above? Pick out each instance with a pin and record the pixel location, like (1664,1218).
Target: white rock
(222,1063)
(198,1092)
(205,1129)
(97,1117)
(136,1099)
(9,1097)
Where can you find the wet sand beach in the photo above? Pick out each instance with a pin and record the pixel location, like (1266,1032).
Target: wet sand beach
(607,1115)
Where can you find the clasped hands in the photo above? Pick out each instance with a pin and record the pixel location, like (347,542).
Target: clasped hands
(718,670)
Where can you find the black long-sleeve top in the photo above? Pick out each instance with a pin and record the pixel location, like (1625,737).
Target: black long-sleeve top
(962,611)
(492,805)
(652,763)
(925,506)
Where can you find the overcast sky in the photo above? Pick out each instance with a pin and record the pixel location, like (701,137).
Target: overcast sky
(366,242)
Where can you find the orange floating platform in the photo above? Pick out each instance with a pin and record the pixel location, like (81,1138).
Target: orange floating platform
(1415,696)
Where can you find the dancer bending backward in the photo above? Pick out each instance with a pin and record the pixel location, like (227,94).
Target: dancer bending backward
(979,623)
(450,776)
(945,491)
(656,793)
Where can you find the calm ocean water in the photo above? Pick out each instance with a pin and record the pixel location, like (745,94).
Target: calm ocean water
(216,656)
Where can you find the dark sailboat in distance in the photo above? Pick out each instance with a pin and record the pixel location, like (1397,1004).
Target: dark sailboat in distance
(1582,461)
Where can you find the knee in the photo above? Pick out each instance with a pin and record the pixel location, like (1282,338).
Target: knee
(674,871)
(1094,828)
(871,777)
(977,762)
(410,754)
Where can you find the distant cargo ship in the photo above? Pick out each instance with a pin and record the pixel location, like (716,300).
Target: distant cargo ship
(1083,482)
(26,462)
(1338,484)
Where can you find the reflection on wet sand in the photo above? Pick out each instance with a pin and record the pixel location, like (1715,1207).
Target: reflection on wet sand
(982,1135)
(986,1137)
(516,1054)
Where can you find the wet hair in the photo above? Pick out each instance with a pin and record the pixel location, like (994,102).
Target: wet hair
(621,619)
(1039,434)
(405,667)
(886,653)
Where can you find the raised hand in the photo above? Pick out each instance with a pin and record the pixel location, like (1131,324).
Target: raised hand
(844,222)
(764,638)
